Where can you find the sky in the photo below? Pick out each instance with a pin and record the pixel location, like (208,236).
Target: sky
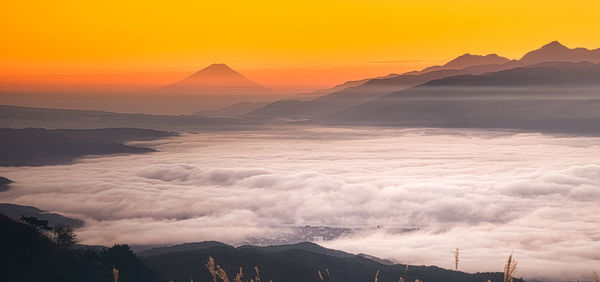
(280,44)
(485,192)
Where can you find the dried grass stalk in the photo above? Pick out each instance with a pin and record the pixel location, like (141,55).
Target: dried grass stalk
(510,268)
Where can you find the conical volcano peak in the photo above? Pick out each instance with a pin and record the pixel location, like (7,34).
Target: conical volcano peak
(215,79)
(217,69)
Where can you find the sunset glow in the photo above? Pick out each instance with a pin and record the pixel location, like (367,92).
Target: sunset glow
(304,44)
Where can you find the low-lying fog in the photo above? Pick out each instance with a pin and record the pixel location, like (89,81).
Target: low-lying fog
(487,193)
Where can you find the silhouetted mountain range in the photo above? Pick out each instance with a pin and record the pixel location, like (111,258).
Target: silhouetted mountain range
(561,68)
(215,79)
(374,88)
(467,60)
(555,97)
(556,52)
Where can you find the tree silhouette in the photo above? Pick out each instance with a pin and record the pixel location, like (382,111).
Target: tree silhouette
(64,236)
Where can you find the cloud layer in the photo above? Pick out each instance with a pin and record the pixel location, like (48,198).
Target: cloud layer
(487,193)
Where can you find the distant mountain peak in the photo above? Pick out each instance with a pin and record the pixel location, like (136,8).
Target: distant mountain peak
(218,67)
(554,43)
(216,78)
(468,60)
(216,70)
(557,52)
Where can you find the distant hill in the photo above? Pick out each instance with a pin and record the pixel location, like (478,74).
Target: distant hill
(23,117)
(467,60)
(4,182)
(16,211)
(296,263)
(215,79)
(304,246)
(182,248)
(556,52)
(549,97)
(36,146)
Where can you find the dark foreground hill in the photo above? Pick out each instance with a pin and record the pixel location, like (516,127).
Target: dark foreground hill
(35,146)
(28,255)
(291,263)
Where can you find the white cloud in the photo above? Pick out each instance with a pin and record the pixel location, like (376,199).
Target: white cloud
(487,193)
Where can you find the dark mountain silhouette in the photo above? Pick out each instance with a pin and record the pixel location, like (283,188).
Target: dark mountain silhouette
(215,79)
(35,146)
(16,211)
(556,52)
(22,117)
(296,263)
(554,73)
(549,97)
(467,60)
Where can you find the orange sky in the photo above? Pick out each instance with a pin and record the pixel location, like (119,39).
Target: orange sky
(281,44)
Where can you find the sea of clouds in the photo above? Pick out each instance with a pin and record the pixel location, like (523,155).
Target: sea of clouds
(485,192)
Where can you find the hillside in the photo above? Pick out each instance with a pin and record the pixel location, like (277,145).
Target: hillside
(292,263)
